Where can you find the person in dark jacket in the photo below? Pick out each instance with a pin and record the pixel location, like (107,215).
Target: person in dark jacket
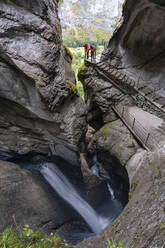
(87,48)
(93,52)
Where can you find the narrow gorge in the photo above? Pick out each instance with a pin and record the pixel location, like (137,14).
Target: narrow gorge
(92,171)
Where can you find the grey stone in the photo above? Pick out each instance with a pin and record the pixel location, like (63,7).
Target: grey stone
(117,139)
(37,105)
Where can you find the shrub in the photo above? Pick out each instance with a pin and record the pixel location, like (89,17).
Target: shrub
(72,85)
(78,64)
(133,187)
(68,51)
(27,238)
(113,244)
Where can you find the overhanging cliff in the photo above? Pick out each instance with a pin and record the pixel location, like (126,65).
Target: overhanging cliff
(37,104)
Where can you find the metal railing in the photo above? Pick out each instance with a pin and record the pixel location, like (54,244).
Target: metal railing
(146,138)
(94,60)
(148,141)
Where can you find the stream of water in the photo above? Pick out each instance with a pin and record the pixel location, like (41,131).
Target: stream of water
(97,219)
(66,190)
(91,210)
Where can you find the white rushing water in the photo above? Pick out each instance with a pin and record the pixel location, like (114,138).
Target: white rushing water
(111,191)
(66,190)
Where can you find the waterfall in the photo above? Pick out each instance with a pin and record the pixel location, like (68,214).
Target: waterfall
(111,191)
(66,190)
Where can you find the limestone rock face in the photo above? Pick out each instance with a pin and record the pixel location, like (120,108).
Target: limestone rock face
(36,102)
(138,46)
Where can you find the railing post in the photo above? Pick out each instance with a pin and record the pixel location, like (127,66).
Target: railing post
(147,138)
(133,123)
(122,112)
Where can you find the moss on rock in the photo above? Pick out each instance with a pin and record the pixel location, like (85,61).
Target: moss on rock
(68,51)
(72,85)
(133,187)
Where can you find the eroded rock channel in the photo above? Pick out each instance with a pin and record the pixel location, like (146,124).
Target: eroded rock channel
(62,200)
(85,176)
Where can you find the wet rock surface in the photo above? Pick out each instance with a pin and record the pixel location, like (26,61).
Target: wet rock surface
(36,102)
(26,197)
(43,202)
(141,224)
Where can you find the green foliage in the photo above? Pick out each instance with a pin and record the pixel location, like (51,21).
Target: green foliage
(81,68)
(27,238)
(78,57)
(80,89)
(75,8)
(68,51)
(72,85)
(79,54)
(105,129)
(124,3)
(77,36)
(133,187)
(60,1)
(78,64)
(113,244)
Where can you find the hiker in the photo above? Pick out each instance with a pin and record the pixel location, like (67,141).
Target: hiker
(87,48)
(93,52)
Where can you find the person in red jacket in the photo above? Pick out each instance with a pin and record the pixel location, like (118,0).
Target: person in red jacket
(87,48)
(93,52)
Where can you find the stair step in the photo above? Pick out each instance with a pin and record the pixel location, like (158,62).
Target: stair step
(88,81)
(121,77)
(117,74)
(113,72)
(103,66)
(106,68)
